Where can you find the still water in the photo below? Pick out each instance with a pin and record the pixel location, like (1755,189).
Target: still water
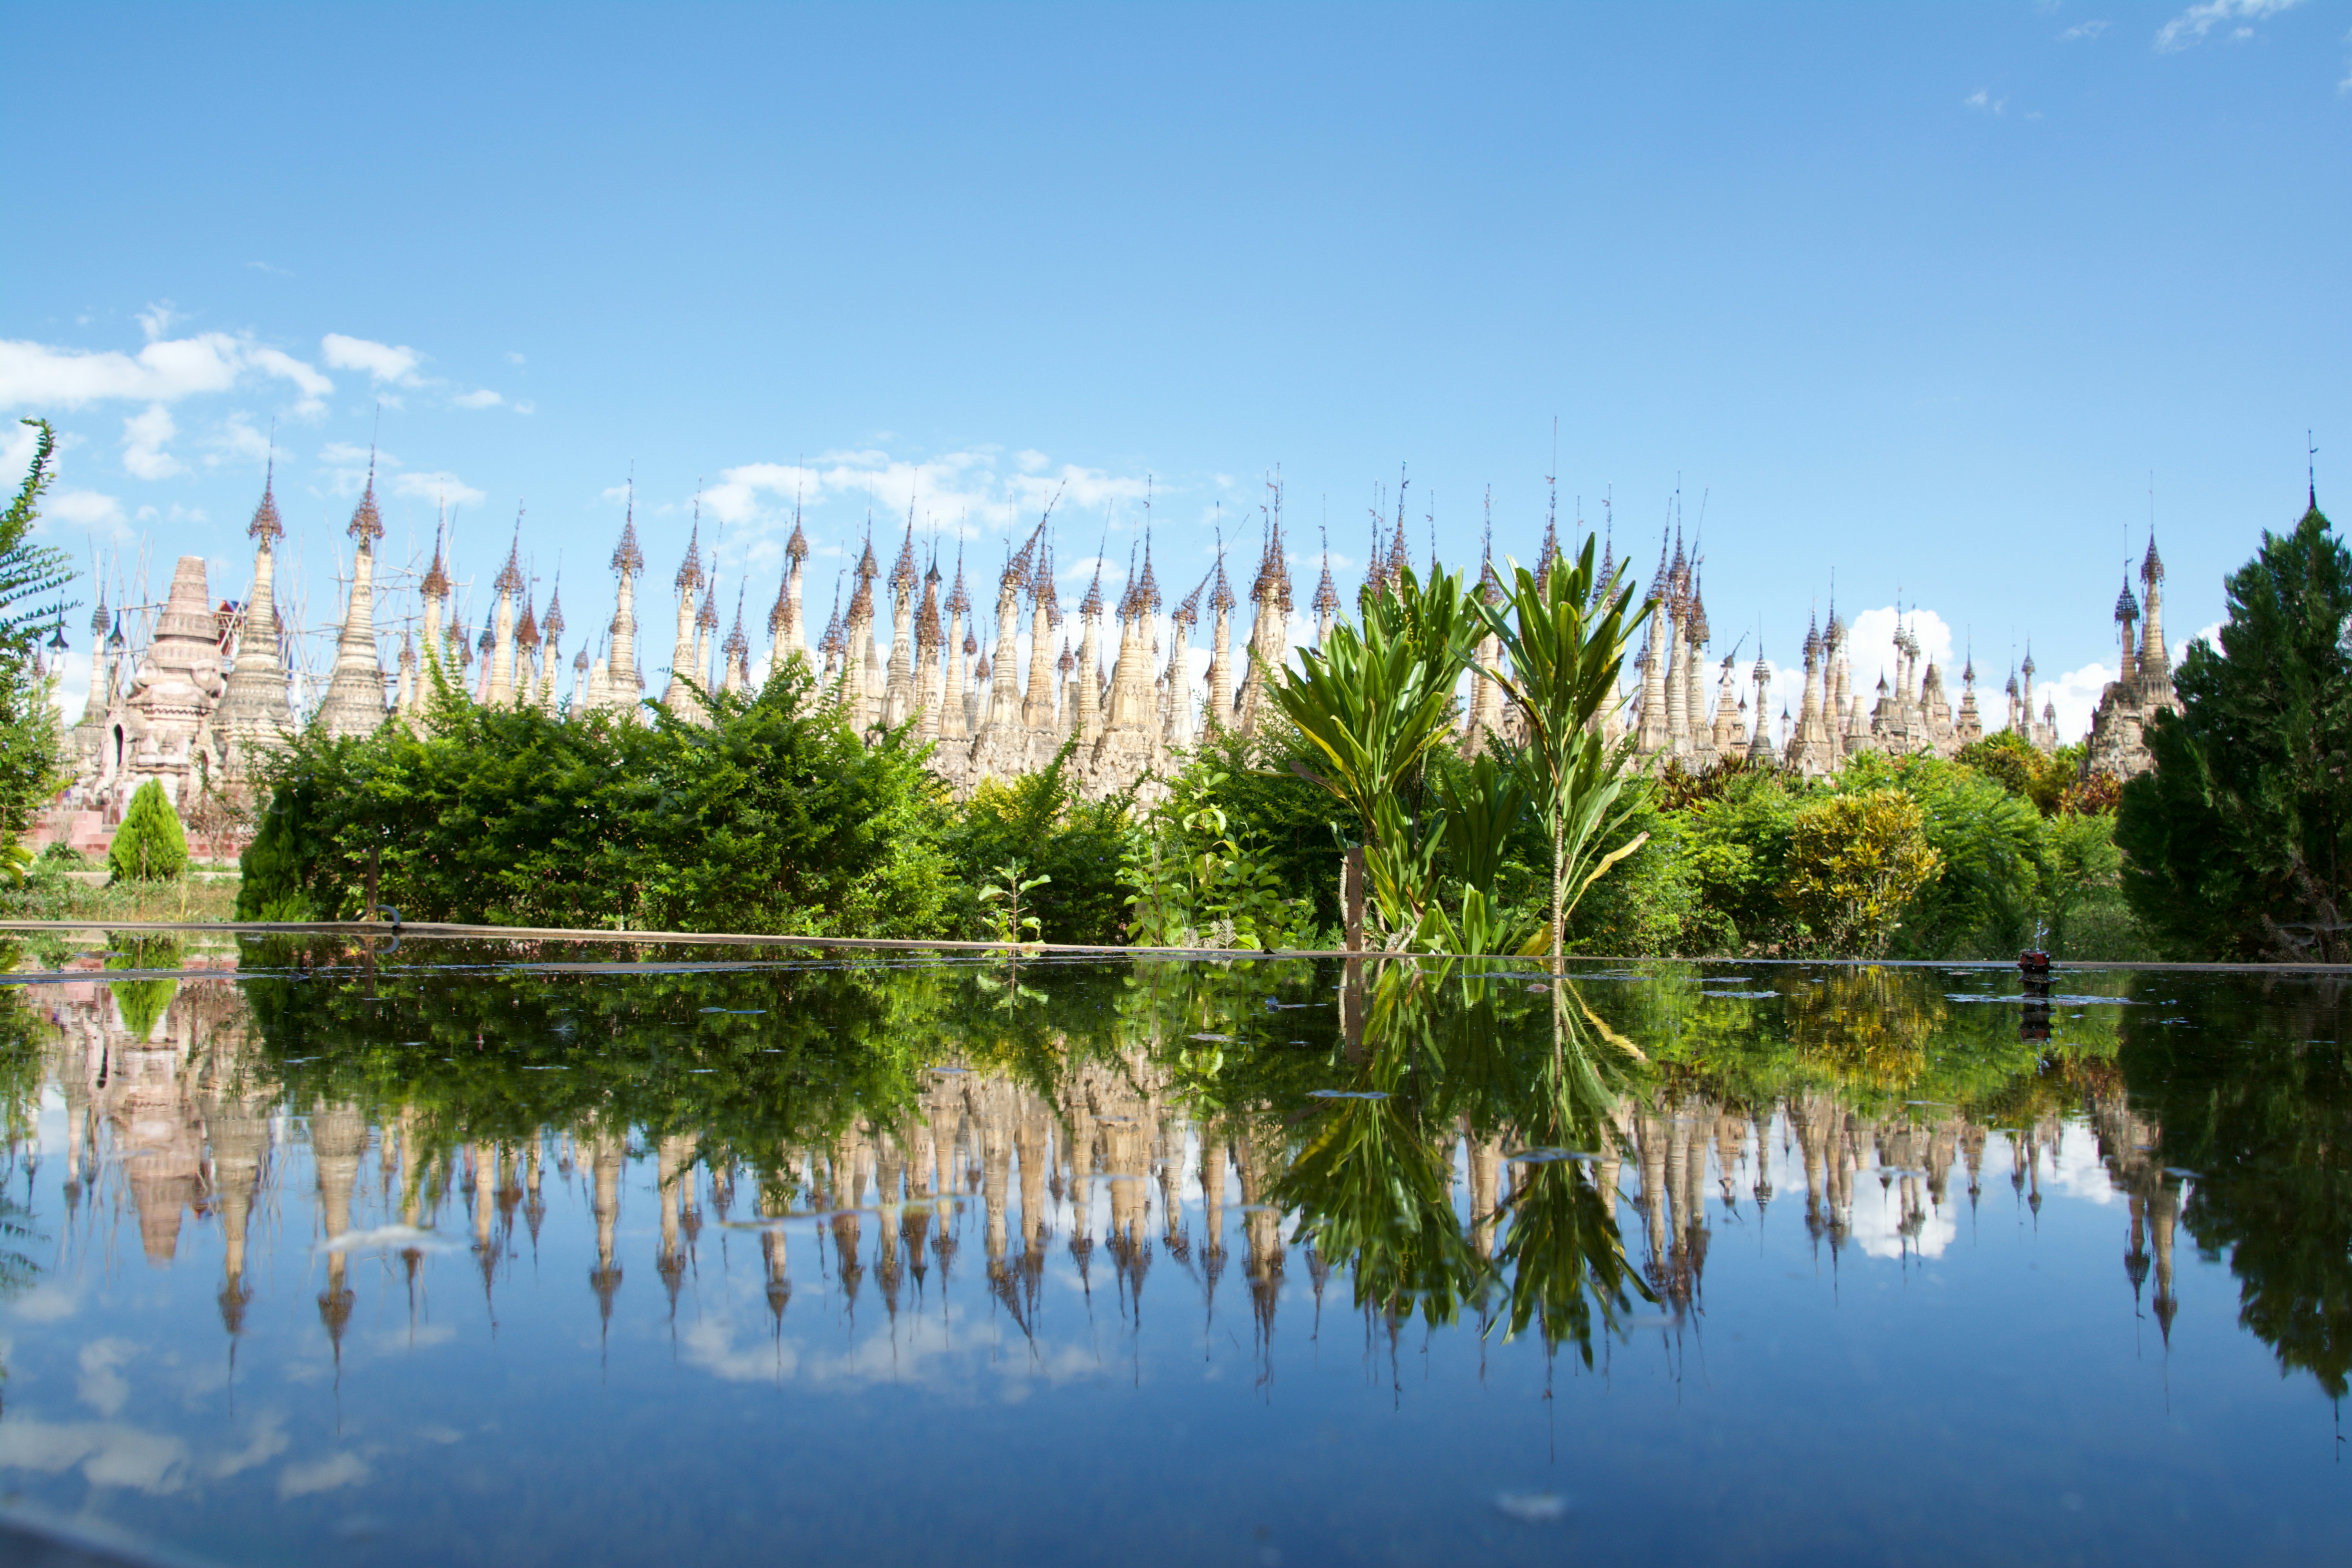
(509,1253)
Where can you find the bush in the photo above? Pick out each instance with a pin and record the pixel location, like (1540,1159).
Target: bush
(149,845)
(773,817)
(1855,862)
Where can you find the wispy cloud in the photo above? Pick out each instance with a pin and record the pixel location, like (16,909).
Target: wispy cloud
(2198,23)
(36,375)
(273,271)
(2082,30)
(439,487)
(145,436)
(1984,102)
(483,398)
(388,365)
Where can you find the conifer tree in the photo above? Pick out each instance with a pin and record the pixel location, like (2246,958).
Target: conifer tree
(2240,840)
(149,845)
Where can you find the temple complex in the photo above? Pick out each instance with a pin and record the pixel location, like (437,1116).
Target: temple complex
(213,690)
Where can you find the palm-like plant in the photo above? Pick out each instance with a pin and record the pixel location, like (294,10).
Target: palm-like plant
(1372,702)
(1563,647)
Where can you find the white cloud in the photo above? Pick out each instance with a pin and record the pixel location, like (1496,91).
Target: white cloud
(386,365)
(86,509)
(439,487)
(484,398)
(157,318)
(164,370)
(2074,695)
(237,439)
(2082,30)
(145,436)
(1984,102)
(513,357)
(274,271)
(526,408)
(2193,26)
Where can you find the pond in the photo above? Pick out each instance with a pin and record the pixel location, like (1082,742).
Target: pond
(508,1253)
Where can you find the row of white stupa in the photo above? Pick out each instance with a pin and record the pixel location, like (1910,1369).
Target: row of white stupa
(218,686)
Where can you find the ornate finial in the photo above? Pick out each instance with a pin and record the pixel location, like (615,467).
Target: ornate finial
(435,584)
(509,577)
(265,525)
(527,630)
(737,645)
(2028,666)
(1220,597)
(707,618)
(1069,661)
(690,571)
(2126,607)
(367,524)
(903,575)
(1147,591)
(2151,565)
(796,548)
(1326,593)
(580,661)
(554,625)
(627,559)
(832,640)
(1092,604)
(958,601)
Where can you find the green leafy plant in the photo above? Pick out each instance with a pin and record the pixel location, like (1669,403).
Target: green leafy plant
(1004,896)
(149,845)
(1563,638)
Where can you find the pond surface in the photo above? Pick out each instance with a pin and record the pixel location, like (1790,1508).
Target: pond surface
(507,1253)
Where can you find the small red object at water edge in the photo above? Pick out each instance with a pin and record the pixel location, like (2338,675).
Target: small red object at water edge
(2033,961)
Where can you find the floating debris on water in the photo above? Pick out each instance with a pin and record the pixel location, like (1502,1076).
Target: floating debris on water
(1216,1040)
(1347,1094)
(1743,996)
(1549,1156)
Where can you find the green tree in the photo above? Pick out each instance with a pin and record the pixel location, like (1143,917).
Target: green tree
(149,845)
(2236,841)
(1855,862)
(1563,642)
(33,578)
(1372,704)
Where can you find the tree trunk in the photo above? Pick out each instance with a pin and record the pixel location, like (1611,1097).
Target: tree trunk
(1352,896)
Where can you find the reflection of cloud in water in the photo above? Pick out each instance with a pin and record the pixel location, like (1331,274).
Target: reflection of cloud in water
(115,1453)
(102,1386)
(321,1475)
(1878,1220)
(46,1302)
(954,1358)
(2081,1173)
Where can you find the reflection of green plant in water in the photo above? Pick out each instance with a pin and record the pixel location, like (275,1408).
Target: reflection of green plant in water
(143,1001)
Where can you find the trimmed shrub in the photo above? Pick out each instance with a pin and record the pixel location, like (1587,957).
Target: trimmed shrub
(149,845)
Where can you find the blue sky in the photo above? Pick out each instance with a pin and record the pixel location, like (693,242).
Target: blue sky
(1920,295)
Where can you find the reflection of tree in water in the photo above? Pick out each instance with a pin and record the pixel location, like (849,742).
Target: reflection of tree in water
(1870,1026)
(888,1100)
(2256,1103)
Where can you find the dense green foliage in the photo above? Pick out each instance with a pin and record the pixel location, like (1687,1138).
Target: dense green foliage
(149,845)
(2240,841)
(769,818)
(33,578)
(776,818)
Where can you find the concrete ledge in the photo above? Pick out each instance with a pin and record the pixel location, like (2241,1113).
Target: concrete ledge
(430,929)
